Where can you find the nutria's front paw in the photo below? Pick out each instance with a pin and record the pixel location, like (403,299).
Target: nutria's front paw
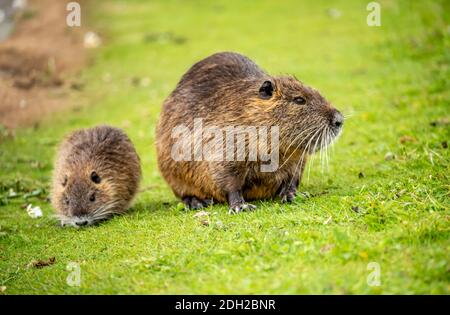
(196,203)
(235,209)
(287,197)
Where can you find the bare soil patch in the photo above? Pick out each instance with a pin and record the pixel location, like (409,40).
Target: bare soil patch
(37,62)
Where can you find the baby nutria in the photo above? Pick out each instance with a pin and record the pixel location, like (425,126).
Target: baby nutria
(97,173)
(228,90)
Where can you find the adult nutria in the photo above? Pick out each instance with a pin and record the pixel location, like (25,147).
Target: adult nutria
(97,173)
(229,90)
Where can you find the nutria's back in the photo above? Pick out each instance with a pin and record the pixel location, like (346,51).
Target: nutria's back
(201,85)
(97,173)
(219,69)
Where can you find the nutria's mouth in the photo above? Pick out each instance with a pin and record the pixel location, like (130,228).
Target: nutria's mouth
(81,221)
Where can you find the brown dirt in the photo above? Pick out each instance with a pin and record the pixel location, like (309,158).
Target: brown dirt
(37,62)
(41,263)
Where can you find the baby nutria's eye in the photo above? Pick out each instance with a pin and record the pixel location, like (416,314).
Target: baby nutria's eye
(92,197)
(64,182)
(95,178)
(299,100)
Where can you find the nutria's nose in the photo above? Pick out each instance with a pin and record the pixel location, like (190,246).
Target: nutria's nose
(81,223)
(338,120)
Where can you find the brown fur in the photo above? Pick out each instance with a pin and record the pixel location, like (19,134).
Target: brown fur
(109,153)
(224,90)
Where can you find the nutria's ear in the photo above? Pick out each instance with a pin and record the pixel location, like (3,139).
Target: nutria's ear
(266,90)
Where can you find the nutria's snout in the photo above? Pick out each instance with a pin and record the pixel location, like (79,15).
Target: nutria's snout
(81,223)
(336,121)
(84,203)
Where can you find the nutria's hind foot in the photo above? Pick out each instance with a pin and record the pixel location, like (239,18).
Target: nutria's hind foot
(194,203)
(237,203)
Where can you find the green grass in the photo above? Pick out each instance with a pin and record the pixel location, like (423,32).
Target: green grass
(393,80)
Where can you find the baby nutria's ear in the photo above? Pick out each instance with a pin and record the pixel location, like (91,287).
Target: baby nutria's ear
(266,90)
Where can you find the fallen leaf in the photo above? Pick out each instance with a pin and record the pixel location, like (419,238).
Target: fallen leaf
(356,209)
(41,263)
(204,222)
(361,175)
(405,139)
(2,289)
(34,212)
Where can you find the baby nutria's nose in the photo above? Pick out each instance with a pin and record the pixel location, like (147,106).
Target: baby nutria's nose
(337,120)
(78,211)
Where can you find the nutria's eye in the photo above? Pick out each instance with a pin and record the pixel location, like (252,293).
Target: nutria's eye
(66,201)
(266,90)
(299,100)
(95,178)
(92,197)
(64,183)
